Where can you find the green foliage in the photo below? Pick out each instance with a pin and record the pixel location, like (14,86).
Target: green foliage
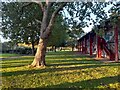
(99,31)
(20,25)
(74,34)
(79,13)
(8,46)
(58,35)
(64,70)
(23,24)
(109,23)
(115,10)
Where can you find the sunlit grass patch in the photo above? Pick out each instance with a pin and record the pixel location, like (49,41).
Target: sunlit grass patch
(6,55)
(63,70)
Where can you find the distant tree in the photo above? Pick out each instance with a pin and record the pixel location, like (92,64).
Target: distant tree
(58,35)
(0,46)
(7,46)
(74,34)
(21,26)
(111,22)
(115,14)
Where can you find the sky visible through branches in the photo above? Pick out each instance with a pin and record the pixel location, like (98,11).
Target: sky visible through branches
(86,29)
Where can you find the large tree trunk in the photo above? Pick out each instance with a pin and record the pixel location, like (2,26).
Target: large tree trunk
(39,59)
(45,32)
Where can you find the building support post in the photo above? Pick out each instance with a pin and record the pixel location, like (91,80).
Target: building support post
(116,43)
(85,45)
(82,46)
(90,40)
(78,46)
(99,51)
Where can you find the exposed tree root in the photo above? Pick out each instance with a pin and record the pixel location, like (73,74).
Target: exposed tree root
(40,66)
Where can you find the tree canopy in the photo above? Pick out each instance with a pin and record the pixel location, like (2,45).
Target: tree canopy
(23,25)
(59,34)
(20,27)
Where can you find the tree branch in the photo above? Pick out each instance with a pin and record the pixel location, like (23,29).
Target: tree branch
(38,21)
(21,11)
(42,7)
(45,23)
(40,4)
(48,4)
(48,29)
(47,1)
(28,4)
(55,13)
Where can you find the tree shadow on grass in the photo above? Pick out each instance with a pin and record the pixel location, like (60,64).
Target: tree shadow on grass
(12,66)
(73,61)
(61,62)
(76,62)
(15,73)
(16,59)
(92,83)
(15,64)
(63,57)
(70,62)
(60,53)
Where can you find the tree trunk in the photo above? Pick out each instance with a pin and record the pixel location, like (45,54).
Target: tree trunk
(72,48)
(52,48)
(55,48)
(45,32)
(39,59)
(33,49)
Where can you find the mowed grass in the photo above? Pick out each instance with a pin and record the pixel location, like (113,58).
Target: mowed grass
(6,55)
(63,70)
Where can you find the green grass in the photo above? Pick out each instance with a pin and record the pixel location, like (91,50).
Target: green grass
(6,55)
(63,70)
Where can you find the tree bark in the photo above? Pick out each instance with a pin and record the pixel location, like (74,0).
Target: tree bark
(72,48)
(52,48)
(45,32)
(33,49)
(55,48)
(39,59)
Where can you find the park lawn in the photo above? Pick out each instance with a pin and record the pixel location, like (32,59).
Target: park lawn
(6,55)
(63,70)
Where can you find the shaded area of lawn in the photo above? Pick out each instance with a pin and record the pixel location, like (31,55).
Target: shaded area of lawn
(63,70)
(50,70)
(92,83)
